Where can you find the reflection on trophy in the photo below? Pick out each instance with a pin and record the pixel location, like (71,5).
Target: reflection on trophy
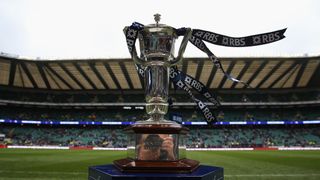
(157,56)
(156,144)
(156,147)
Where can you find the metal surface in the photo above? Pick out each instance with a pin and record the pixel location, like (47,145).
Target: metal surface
(157,44)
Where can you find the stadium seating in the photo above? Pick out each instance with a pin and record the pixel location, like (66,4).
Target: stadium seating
(132,115)
(95,97)
(262,136)
(107,136)
(255,137)
(59,136)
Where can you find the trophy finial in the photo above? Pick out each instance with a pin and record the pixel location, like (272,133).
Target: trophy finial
(157,18)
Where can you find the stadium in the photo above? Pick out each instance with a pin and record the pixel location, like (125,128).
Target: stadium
(84,104)
(247,101)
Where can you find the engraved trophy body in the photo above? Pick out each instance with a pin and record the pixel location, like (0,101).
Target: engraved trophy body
(156,144)
(157,44)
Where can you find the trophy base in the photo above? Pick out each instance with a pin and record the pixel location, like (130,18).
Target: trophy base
(157,127)
(179,166)
(161,121)
(109,172)
(156,148)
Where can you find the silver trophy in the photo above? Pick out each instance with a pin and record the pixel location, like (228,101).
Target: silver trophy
(157,44)
(156,144)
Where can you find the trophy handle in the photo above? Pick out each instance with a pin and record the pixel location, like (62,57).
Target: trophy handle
(134,53)
(135,57)
(182,47)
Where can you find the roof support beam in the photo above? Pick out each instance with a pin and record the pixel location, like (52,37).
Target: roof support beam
(20,75)
(26,70)
(298,77)
(126,74)
(315,79)
(283,74)
(243,71)
(199,69)
(213,72)
(262,65)
(85,75)
(13,67)
(276,67)
(114,78)
(58,76)
(71,75)
(94,69)
(53,79)
(42,74)
(184,66)
(228,72)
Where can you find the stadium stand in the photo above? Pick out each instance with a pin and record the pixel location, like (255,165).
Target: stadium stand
(200,137)
(288,136)
(129,98)
(62,136)
(132,115)
(285,89)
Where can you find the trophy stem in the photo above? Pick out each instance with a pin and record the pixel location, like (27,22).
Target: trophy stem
(157,89)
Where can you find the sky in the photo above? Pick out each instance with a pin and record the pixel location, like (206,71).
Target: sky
(68,29)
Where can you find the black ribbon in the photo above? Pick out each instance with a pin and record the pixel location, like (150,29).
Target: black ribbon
(132,34)
(254,40)
(195,84)
(180,80)
(202,46)
(185,81)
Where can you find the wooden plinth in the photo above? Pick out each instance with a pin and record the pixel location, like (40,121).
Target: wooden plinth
(179,166)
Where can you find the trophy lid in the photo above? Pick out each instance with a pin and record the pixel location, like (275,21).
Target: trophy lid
(159,28)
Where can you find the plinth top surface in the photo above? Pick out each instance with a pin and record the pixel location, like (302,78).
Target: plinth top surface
(201,171)
(158,129)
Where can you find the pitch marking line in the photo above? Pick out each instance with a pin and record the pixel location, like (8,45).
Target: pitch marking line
(44,172)
(271,175)
(227,175)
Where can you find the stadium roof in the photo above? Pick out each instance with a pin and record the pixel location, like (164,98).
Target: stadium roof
(120,74)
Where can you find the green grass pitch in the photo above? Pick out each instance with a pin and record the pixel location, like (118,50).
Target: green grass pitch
(243,165)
